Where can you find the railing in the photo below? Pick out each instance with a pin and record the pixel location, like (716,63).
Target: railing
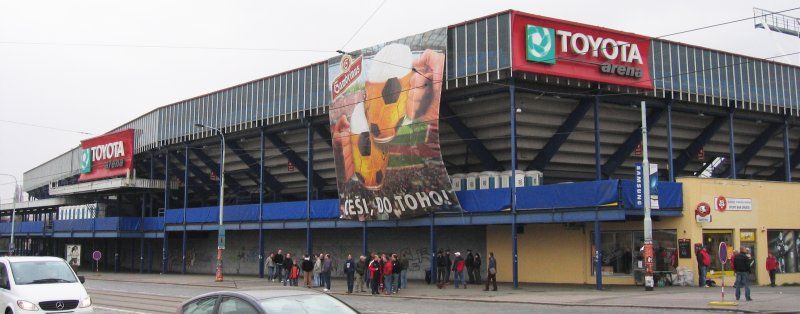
(22,227)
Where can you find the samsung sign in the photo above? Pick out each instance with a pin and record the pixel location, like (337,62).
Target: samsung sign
(574,50)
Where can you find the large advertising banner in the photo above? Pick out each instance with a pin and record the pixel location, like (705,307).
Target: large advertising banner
(568,49)
(73,254)
(385,126)
(106,156)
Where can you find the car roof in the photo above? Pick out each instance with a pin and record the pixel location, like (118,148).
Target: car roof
(31,259)
(260,294)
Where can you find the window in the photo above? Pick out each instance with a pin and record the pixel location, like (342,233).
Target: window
(785,246)
(621,251)
(26,273)
(310,303)
(235,305)
(201,306)
(3,276)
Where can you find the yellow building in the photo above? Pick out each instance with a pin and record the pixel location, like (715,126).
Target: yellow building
(763,216)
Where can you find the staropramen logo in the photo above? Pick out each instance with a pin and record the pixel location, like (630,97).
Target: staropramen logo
(86,161)
(540,44)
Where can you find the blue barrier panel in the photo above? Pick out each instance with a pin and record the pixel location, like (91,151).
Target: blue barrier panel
(30,227)
(73,225)
(129,223)
(175,216)
(320,209)
(670,195)
(153,223)
(5,227)
(237,213)
(569,195)
(483,201)
(107,224)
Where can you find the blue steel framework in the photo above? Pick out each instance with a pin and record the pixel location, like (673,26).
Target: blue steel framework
(478,52)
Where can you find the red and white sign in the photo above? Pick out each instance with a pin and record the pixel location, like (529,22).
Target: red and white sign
(106,156)
(290,166)
(351,70)
(582,51)
(702,213)
(721,203)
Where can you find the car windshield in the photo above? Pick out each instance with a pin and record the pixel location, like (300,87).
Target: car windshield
(27,273)
(314,303)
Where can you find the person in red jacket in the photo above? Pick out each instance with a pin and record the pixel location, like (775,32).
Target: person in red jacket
(703,262)
(388,269)
(772,268)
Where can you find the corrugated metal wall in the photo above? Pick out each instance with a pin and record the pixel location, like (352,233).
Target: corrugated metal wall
(477,51)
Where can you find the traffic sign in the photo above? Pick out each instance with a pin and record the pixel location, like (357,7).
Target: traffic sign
(96,256)
(723,252)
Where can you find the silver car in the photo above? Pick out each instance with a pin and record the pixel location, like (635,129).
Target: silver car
(268,300)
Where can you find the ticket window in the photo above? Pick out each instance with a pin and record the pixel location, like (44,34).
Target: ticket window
(711,240)
(747,239)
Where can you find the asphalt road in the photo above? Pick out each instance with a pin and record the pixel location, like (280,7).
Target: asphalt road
(130,297)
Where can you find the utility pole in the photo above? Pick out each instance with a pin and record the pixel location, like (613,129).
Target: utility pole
(648,222)
(221,231)
(13,212)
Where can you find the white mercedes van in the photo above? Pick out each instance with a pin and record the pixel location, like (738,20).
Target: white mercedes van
(37,284)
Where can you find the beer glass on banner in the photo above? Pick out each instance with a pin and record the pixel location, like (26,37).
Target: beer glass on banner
(370,161)
(388,82)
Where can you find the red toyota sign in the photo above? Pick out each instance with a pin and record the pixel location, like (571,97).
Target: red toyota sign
(567,49)
(106,156)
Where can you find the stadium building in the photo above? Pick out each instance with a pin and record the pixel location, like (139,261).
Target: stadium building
(550,107)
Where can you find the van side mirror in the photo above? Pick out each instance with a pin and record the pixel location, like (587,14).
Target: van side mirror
(82,279)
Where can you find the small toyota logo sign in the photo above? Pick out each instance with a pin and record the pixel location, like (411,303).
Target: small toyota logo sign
(60,305)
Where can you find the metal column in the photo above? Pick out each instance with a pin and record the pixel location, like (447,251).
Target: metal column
(669,142)
(598,176)
(787,162)
(116,255)
(261,207)
(433,249)
(164,246)
(185,206)
(309,184)
(141,238)
(364,238)
(513,183)
(731,144)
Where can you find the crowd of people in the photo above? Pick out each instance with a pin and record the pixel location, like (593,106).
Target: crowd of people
(384,273)
(742,265)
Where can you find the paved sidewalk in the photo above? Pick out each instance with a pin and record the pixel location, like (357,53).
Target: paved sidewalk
(766,299)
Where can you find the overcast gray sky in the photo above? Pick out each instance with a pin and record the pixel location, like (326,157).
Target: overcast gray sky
(49,77)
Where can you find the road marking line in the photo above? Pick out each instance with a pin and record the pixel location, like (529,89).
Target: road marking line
(115,309)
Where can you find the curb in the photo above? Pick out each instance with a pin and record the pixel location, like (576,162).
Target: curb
(234,286)
(567,304)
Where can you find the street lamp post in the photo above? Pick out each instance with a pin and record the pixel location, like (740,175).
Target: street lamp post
(221,231)
(648,222)
(13,212)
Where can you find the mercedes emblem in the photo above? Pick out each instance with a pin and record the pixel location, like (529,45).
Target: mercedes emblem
(60,305)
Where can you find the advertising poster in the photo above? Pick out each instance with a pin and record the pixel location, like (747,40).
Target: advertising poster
(785,245)
(73,254)
(385,128)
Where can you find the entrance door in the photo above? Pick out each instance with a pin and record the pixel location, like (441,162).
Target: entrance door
(711,240)
(747,238)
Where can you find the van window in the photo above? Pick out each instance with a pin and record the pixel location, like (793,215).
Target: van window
(3,275)
(202,306)
(41,272)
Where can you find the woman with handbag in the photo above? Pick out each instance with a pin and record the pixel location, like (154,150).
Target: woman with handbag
(491,273)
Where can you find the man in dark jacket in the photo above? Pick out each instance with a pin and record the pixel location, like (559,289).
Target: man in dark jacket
(491,271)
(287,266)
(349,271)
(476,268)
(468,262)
(741,265)
(395,274)
(325,274)
(403,271)
(278,259)
(361,270)
(441,268)
(307,266)
(449,261)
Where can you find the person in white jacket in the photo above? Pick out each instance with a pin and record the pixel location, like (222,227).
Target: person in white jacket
(317,270)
